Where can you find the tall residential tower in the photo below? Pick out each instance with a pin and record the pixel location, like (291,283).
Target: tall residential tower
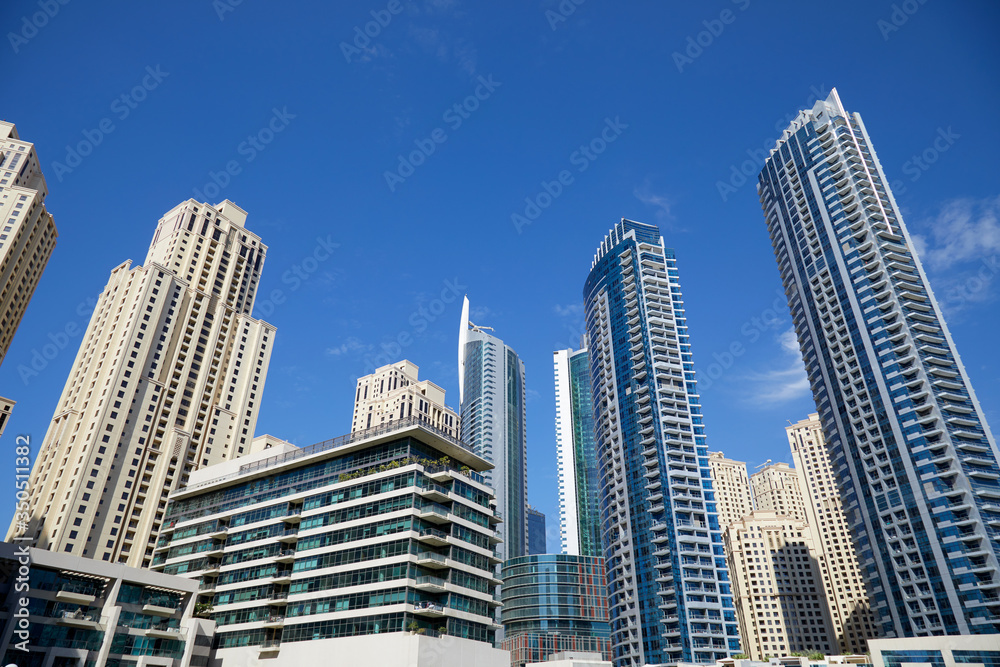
(168,379)
(669,595)
(27,232)
(576,455)
(846,597)
(916,463)
(492,413)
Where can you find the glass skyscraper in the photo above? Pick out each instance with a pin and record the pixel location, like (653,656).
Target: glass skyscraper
(491,393)
(669,595)
(576,455)
(914,457)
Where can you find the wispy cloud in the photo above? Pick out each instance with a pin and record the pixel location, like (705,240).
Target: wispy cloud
(960,248)
(350,346)
(964,230)
(661,204)
(787,382)
(574,310)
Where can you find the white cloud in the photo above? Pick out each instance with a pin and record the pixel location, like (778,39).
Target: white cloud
(787,382)
(574,310)
(961,251)
(349,347)
(965,230)
(662,204)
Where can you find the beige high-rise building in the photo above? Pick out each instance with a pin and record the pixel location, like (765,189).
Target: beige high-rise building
(168,379)
(393,392)
(777,586)
(777,489)
(848,602)
(732,488)
(27,232)
(27,235)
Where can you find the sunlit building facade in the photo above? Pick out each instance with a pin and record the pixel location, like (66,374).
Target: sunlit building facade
(917,466)
(576,455)
(668,585)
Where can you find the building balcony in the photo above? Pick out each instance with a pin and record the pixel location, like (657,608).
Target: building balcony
(285,556)
(270,646)
(431,584)
(282,577)
(434,513)
(79,619)
(77,594)
(289,536)
(434,493)
(433,536)
(274,621)
(164,631)
(158,610)
(432,560)
(432,609)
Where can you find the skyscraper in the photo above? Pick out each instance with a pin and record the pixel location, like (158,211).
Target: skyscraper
(27,232)
(168,378)
(27,237)
(732,488)
(492,413)
(536,532)
(915,460)
(576,455)
(778,587)
(777,489)
(668,585)
(850,611)
(393,392)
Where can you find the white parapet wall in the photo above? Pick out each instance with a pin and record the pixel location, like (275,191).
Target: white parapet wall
(396,649)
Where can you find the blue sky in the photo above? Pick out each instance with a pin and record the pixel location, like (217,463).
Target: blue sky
(318,133)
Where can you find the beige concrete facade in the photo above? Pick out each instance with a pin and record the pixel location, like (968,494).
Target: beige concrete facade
(6,407)
(845,591)
(27,231)
(168,378)
(777,586)
(732,488)
(777,489)
(393,392)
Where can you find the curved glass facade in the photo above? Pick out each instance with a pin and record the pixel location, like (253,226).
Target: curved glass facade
(552,603)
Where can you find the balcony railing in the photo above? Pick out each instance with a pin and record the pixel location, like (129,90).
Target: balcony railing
(341,441)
